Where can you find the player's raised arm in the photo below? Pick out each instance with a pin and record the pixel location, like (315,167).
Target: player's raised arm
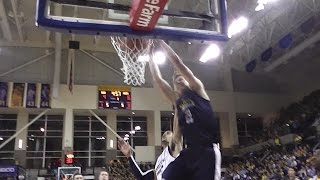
(176,143)
(160,82)
(194,82)
(125,148)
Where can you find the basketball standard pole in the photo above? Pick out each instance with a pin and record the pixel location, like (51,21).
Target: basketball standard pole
(106,125)
(22,129)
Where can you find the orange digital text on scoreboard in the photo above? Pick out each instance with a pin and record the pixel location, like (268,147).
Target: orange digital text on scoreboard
(114,97)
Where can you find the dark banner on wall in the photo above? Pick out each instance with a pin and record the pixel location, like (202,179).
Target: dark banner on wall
(45,96)
(17,95)
(31,96)
(3,94)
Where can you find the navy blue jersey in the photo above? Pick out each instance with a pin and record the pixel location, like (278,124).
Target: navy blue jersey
(196,119)
(195,164)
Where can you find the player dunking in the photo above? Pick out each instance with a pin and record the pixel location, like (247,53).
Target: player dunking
(167,156)
(201,160)
(171,141)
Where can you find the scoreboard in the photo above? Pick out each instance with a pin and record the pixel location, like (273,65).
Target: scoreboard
(114,97)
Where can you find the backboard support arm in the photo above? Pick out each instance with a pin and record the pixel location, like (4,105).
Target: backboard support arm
(121,7)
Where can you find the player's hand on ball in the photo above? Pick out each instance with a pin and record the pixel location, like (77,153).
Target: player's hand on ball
(124,147)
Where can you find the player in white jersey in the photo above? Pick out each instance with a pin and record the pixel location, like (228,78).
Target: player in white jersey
(167,156)
(169,153)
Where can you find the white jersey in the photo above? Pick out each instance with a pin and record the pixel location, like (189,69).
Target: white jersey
(162,162)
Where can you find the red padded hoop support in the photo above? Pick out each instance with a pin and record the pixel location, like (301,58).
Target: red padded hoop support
(144,14)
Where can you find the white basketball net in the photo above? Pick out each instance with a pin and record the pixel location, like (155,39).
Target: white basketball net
(130,52)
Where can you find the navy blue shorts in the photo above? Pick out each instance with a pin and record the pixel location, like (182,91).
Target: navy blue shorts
(195,164)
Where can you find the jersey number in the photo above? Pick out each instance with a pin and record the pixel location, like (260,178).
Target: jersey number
(188,116)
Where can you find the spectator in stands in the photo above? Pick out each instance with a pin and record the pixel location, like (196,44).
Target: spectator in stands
(313,169)
(277,143)
(78,176)
(292,174)
(104,175)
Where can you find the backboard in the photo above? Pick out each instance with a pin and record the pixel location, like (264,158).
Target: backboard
(182,20)
(67,173)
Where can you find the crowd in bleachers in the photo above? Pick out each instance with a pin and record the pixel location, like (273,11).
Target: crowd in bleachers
(277,163)
(120,169)
(297,118)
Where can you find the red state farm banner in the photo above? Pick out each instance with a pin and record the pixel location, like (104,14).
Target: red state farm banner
(144,14)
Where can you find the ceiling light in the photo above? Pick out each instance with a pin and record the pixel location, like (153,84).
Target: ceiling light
(126,138)
(238,26)
(42,129)
(137,128)
(249,115)
(262,1)
(212,52)
(133,113)
(172,114)
(127,135)
(144,58)
(159,57)
(1,138)
(132,132)
(272,1)
(189,43)
(266,1)
(259,7)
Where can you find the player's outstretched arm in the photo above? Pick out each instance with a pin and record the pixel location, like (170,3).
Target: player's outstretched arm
(195,84)
(176,143)
(160,82)
(125,148)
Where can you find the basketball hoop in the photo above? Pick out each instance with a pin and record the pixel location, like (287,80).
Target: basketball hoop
(130,51)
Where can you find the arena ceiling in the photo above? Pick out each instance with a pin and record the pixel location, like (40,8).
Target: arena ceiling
(21,41)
